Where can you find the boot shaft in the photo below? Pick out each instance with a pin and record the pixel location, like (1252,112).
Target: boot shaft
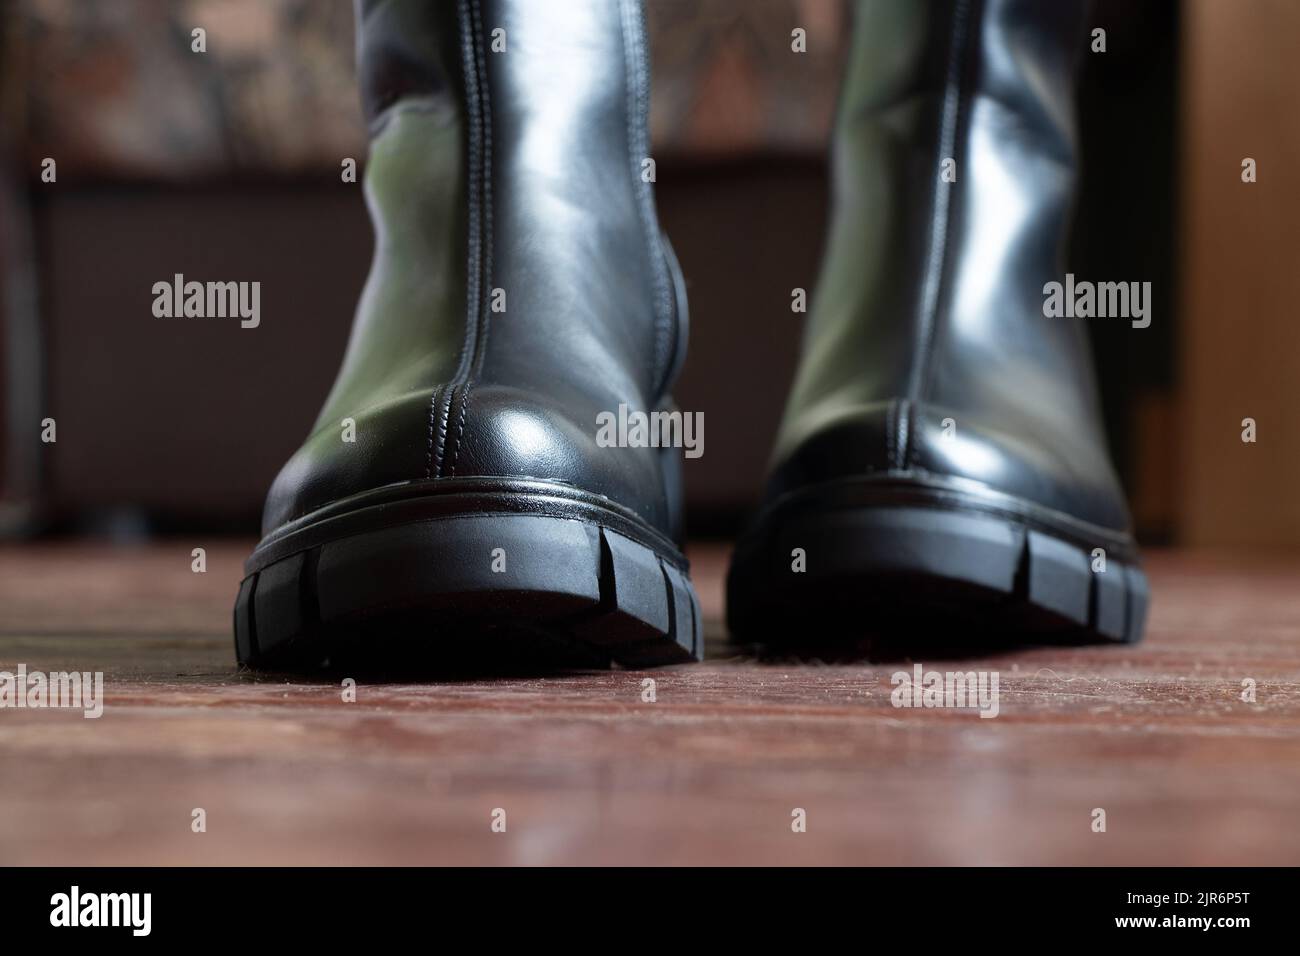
(954,164)
(555,217)
(929,350)
(520,286)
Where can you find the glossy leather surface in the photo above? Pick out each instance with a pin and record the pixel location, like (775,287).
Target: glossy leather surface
(930,302)
(502,179)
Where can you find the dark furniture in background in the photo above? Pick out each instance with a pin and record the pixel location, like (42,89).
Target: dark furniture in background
(179,423)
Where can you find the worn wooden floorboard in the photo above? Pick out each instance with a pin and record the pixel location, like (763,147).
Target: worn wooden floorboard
(587,772)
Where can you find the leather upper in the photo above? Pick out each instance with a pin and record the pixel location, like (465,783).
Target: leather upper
(930,302)
(520,285)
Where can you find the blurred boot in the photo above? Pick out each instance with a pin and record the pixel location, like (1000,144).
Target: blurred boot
(941,466)
(452,499)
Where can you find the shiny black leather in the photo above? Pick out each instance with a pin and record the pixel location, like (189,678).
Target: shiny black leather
(930,303)
(502,178)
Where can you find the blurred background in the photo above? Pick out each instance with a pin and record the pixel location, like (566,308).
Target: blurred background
(226,165)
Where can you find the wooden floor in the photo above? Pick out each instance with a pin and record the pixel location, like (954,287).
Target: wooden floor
(586,772)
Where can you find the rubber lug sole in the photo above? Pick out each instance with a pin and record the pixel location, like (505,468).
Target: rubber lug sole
(494,592)
(907,577)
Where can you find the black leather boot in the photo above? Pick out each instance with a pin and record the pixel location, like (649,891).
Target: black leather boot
(941,463)
(453,497)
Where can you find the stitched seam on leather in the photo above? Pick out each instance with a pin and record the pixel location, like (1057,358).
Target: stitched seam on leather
(440,401)
(940,216)
(485,234)
(890,433)
(905,431)
(478,174)
(446,397)
(485,324)
(460,430)
(637,80)
(433,404)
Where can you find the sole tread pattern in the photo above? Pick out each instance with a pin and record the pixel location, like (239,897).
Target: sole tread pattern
(479,590)
(927,567)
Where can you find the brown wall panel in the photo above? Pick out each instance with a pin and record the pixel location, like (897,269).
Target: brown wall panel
(1241,278)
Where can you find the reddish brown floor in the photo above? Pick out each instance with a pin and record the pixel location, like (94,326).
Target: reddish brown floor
(1156,735)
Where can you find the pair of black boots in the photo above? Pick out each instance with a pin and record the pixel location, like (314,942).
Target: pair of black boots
(940,466)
